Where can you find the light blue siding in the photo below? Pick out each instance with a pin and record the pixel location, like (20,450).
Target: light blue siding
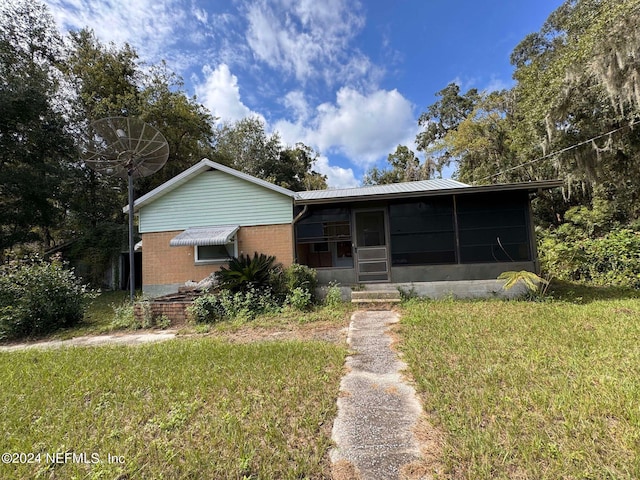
(215,198)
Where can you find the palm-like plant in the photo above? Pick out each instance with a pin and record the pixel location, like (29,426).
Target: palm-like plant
(245,272)
(531,281)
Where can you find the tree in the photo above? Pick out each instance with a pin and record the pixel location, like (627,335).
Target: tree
(441,117)
(294,169)
(405,167)
(577,80)
(108,81)
(186,124)
(35,149)
(245,146)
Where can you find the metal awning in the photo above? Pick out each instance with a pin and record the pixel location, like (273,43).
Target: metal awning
(218,235)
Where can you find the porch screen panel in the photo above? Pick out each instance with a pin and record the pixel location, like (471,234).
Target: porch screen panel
(324,239)
(493,228)
(422,233)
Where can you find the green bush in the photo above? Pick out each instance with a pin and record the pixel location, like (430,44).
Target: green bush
(301,276)
(227,304)
(251,286)
(206,309)
(38,297)
(611,259)
(299,298)
(334,295)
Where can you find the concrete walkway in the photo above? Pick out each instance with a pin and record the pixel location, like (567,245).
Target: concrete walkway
(377,409)
(121,339)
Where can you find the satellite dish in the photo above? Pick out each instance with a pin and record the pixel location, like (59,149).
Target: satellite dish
(126,147)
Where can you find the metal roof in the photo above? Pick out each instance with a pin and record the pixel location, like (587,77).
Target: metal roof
(415,189)
(218,235)
(372,190)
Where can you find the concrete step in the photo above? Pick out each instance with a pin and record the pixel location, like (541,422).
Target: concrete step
(375,296)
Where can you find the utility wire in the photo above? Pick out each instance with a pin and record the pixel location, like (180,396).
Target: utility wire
(566,149)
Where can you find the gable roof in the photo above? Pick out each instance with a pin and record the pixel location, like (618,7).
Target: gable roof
(203,165)
(372,192)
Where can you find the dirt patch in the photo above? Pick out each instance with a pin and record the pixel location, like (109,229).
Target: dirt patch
(321,331)
(430,465)
(343,470)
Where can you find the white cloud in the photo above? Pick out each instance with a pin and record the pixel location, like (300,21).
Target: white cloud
(219,92)
(146,24)
(297,103)
(363,127)
(337,177)
(306,38)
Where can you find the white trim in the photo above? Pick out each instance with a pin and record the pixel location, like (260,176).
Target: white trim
(233,242)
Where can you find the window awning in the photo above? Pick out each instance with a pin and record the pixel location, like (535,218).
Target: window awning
(219,235)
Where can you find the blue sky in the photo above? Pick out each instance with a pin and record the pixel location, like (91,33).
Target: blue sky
(347,78)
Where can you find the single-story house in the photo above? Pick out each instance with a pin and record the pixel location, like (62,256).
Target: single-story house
(424,231)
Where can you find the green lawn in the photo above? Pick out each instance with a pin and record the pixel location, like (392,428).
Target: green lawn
(531,390)
(181,409)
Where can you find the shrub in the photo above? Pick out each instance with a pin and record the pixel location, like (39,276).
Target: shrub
(299,298)
(39,296)
(334,295)
(247,304)
(206,309)
(123,316)
(245,272)
(535,285)
(612,259)
(301,276)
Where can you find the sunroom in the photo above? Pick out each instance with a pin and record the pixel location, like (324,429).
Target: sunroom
(428,231)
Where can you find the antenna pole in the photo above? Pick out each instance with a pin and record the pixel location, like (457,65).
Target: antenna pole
(132,263)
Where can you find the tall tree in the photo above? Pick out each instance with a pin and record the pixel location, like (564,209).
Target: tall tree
(247,147)
(34,148)
(441,117)
(186,124)
(404,166)
(577,85)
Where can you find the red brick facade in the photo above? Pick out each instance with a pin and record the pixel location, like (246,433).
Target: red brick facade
(166,265)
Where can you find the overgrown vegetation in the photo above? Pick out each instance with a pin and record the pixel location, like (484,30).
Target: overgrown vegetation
(252,286)
(531,390)
(179,409)
(592,247)
(38,297)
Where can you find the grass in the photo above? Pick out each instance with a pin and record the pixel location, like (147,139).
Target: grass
(181,409)
(531,390)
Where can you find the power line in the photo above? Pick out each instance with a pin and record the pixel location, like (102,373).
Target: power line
(566,149)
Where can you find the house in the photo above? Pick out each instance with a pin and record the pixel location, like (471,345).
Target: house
(426,231)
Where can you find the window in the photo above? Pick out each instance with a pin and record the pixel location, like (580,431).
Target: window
(493,228)
(422,233)
(216,253)
(324,239)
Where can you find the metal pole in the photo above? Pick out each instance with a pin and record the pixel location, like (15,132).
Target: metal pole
(132,263)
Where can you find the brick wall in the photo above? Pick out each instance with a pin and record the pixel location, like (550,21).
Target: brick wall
(175,311)
(164,265)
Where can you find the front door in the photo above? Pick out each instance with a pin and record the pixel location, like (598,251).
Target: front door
(372,259)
